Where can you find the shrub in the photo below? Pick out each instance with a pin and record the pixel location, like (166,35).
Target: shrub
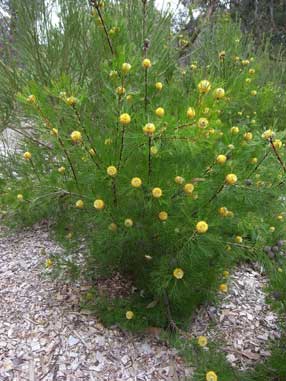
(169,173)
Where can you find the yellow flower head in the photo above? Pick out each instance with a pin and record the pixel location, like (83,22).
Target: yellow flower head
(111,171)
(221,159)
(234,130)
(79,204)
(159,86)
(128,223)
(54,132)
(20,197)
(112,227)
(76,136)
(231,179)
(136,182)
(251,71)
(272,229)
(163,216)
(225,274)
(92,151)
(247,80)
(160,112)
(178,273)
(254,160)
(149,129)
(154,150)
(157,192)
(238,239)
(223,211)
(223,287)
(245,62)
(253,93)
(203,123)
(179,180)
(48,263)
(126,67)
(221,55)
(211,376)
(27,155)
(277,143)
(113,74)
(129,98)
(202,227)
(125,119)
(219,93)
(99,204)
(61,170)
(129,315)
(202,341)
(191,112)
(31,99)
(120,90)
(71,101)
(146,63)
(268,134)
(248,136)
(204,86)
(189,188)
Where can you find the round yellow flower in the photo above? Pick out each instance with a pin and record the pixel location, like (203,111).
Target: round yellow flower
(136,182)
(129,315)
(27,155)
(251,71)
(238,239)
(128,223)
(203,123)
(129,97)
(48,263)
(277,143)
(253,93)
(99,204)
(178,273)
(76,136)
(202,341)
(149,129)
(71,101)
(211,376)
(111,171)
(125,119)
(221,55)
(191,113)
(189,188)
(219,93)
(280,217)
(272,229)
(31,99)
(254,160)
(204,86)
(247,80)
(146,63)
(223,211)
(159,86)
(54,132)
(221,159)
(160,112)
(163,216)
(79,204)
(225,274)
(231,179)
(268,134)
(126,67)
(113,74)
(154,150)
(234,130)
(179,180)
(20,197)
(223,287)
(120,90)
(157,192)
(248,136)
(112,227)
(245,62)
(61,170)
(92,152)
(202,227)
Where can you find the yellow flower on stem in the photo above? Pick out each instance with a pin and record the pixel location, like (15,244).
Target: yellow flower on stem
(120,90)
(149,129)
(223,287)
(159,86)
(223,211)
(204,86)
(112,227)
(268,134)
(111,171)
(219,93)
(136,182)
(254,160)
(125,119)
(99,204)
(20,197)
(27,155)
(277,144)
(129,315)
(61,170)
(79,204)
(146,63)
(154,150)
(126,67)
(221,159)
(211,376)
(160,112)
(179,180)
(203,123)
(163,216)
(251,71)
(54,132)
(157,192)
(202,341)
(71,101)
(76,136)
(253,93)
(128,222)
(225,274)
(48,263)
(202,227)
(178,273)
(189,188)
(191,113)
(248,136)
(92,152)
(231,179)
(238,239)
(31,99)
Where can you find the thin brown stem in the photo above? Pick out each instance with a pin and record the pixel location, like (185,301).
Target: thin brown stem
(94,2)
(277,155)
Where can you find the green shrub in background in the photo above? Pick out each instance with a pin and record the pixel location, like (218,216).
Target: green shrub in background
(170,174)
